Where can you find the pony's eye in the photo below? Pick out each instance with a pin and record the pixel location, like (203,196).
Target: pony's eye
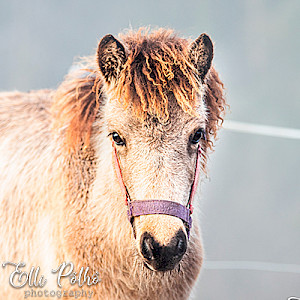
(197,136)
(117,139)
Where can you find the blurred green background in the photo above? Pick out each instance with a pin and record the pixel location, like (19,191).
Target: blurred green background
(250,204)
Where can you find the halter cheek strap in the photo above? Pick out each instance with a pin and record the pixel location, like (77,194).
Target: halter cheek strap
(148,207)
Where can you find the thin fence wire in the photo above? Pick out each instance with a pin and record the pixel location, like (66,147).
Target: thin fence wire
(252,266)
(274,131)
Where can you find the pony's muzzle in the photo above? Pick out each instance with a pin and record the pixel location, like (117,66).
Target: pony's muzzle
(163,257)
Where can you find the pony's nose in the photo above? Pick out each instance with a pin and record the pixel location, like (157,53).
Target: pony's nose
(163,257)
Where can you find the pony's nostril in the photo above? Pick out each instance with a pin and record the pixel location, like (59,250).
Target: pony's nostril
(181,243)
(147,246)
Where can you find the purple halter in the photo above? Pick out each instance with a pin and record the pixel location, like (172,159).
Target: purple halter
(149,207)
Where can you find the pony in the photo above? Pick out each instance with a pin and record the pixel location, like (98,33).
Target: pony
(132,117)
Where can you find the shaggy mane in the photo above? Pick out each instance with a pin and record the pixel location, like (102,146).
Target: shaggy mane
(157,65)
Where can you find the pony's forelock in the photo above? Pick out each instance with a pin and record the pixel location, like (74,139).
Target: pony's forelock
(157,65)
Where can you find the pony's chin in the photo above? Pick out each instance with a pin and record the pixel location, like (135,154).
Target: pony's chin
(165,269)
(149,267)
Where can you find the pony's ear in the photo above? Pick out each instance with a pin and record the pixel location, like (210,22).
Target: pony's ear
(111,57)
(201,54)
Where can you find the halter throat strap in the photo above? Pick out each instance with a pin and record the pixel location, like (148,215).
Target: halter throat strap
(158,206)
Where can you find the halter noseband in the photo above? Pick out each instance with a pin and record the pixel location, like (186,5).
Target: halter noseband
(166,207)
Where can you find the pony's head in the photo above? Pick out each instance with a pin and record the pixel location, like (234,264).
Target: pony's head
(157,118)
(161,99)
